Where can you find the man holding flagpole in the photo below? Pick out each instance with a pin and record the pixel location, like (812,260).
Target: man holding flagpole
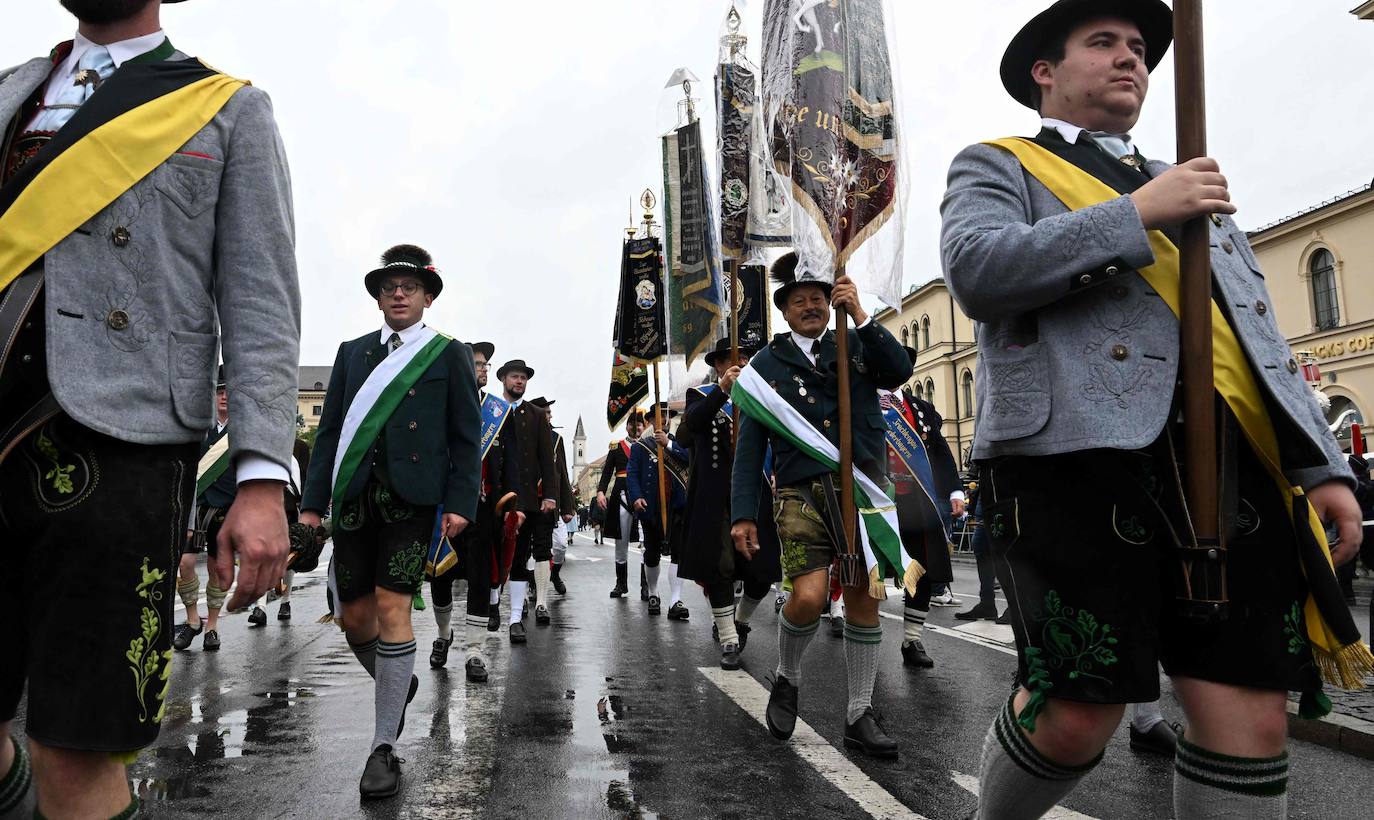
(398,439)
(789,399)
(1064,248)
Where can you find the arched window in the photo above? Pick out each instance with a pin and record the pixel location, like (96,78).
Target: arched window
(906,337)
(968,392)
(917,391)
(319,385)
(916,336)
(1325,309)
(930,390)
(925,331)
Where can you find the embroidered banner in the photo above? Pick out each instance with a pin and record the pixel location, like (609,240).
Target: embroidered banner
(629,386)
(695,294)
(911,451)
(640,332)
(735,113)
(494,413)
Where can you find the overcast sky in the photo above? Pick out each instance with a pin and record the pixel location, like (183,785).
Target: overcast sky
(511,138)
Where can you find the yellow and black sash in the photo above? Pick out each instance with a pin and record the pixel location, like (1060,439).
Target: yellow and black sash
(1336,643)
(130,125)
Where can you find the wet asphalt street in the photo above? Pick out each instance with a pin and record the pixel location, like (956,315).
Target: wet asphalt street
(610,713)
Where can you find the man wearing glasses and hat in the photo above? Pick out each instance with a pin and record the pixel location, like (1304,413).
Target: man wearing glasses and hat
(398,439)
(537,493)
(1063,249)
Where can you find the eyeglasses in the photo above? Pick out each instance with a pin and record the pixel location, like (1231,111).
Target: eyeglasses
(408,288)
(483,365)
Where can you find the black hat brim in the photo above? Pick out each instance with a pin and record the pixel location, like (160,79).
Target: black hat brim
(485,348)
(432,282)
(780,295)
(716,355)
(509,368)
(1153,17)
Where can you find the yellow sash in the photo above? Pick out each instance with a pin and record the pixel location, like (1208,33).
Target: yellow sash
(1343,666)
(97,169)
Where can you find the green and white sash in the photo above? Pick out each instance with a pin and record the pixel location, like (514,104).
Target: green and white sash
(378,398)
(212,465)
(877,512)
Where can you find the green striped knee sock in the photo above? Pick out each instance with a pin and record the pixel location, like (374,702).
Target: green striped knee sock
(1212,786)
(792,643)
(17,798)
(861,647)
(1016,780)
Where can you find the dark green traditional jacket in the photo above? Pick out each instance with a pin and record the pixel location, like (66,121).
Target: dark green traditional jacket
(876,360)
(428,451)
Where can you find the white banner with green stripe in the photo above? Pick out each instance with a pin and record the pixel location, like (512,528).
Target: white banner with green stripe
(378,398)
(877,512)
(212,465)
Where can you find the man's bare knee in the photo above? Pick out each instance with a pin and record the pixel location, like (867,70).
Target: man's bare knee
(1071,733)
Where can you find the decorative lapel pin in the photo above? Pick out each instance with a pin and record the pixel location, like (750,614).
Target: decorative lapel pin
(88,76)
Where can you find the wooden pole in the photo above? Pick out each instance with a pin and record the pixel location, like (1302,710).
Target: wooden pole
(1195,274)
(846,428)
(735,304)
(662,477)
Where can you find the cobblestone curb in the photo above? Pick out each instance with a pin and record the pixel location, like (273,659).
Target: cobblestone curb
(1343,733)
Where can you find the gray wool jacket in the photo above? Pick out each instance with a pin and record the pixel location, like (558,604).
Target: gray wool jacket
(207,260)
(1075,350)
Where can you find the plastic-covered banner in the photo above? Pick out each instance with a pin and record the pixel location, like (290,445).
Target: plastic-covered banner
(640,331)
(735,113)
(828,103)
(696,296)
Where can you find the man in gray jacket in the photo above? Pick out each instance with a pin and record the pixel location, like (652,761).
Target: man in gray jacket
(145,220)
(1078,439)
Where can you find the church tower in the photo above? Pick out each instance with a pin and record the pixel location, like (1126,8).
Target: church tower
(579,449)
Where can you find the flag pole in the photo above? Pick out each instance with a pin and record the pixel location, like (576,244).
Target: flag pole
(1195,274)
(848,575)
(736,303)
(662,485)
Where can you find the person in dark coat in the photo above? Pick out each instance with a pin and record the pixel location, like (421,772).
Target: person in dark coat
(709,555)
(922,517)
(641,485)
(618,523)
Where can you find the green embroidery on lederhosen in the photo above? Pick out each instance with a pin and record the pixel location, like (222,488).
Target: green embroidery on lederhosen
(1128,525)
(145,661)
(1294,631)
(795,522)
(408,565)
(351,516)
(1071,639)
(392,508)
(61,474)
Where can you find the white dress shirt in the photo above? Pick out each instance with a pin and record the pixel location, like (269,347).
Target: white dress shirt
(408,335)
(120,52)
(804,343)
(1070,133)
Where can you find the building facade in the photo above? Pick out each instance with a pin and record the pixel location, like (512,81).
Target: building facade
(932,323)
(312,383)
(1318,266)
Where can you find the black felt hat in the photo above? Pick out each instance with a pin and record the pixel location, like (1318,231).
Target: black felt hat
(723,349)
(515,364)
(220,382)
(1154,19)
(405,260)
(784,273)
(911,354)
(543,402)
(485,348)
(668,412)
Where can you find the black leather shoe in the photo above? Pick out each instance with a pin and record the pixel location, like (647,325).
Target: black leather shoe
(621,587)
(414,687)
(494,618)
(618,591)
(743,630)
(185,633)
(678,612)
(284,611)
(541,615)
(381,775)
(655,606)
(866,735)
(559,587)
(980,612)
(1005,618)
(517,633)
(729,656)
(211,643)
(438,656)
(476,670)
(837,626)
(781,715)
(258,617)
(914,654)
(1161,739)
